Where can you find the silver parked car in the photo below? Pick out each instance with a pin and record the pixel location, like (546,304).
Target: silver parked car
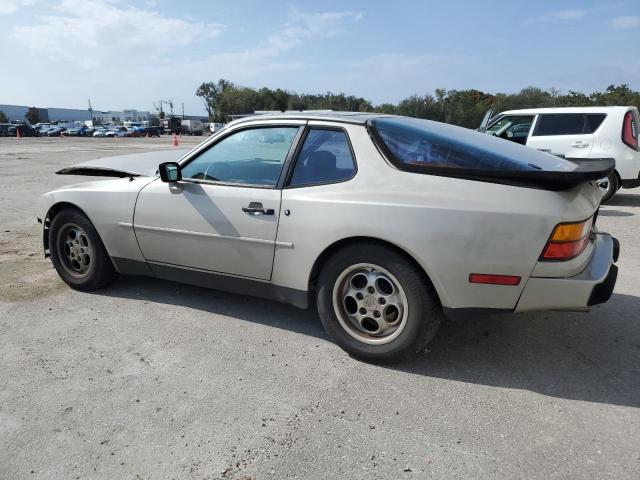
(386,223)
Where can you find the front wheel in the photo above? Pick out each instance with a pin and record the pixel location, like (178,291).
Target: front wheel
(609,186)
(77,253)
(376,304)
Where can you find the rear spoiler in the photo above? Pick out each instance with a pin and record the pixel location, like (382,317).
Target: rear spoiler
(588,169)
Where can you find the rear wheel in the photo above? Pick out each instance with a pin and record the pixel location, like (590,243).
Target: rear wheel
(77,253)
(609,186)
(375,304)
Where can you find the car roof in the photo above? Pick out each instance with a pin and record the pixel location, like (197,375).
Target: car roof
(566,110)
(344,117)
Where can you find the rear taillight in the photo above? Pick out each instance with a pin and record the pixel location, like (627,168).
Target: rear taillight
(567,241)
(630,131)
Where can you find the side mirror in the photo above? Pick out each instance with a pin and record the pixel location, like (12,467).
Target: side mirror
(170,172)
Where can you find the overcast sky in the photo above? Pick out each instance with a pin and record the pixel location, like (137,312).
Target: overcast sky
(128,54)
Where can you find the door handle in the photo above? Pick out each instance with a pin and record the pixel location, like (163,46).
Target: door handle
(580,145)
(256,208)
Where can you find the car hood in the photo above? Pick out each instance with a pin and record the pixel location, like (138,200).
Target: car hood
(139,164)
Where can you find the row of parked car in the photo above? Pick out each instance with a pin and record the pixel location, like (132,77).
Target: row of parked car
(52,130)
(100,131)
(125,132)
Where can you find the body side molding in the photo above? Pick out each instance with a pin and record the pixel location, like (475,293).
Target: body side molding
(213,280)
(210,235)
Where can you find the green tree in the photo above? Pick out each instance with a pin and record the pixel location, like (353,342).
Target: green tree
(616,95)
(220,99)
(389,108)
(466,107)
(208,93)
(418,106)
(32,115)
(296,102)
(574,99)
(460,107)
(3,117)
(530,97)
(273,99)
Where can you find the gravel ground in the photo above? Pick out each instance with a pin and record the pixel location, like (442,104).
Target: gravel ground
(152,380)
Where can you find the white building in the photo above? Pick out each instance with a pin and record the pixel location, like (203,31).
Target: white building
(50,114)
(114,116)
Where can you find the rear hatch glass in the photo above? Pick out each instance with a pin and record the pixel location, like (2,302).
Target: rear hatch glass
(434,144)
(424,146)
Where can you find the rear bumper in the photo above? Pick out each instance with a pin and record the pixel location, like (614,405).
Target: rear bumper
(592,286)
(631,183)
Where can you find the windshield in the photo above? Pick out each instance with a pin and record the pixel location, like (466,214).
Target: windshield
(433,145)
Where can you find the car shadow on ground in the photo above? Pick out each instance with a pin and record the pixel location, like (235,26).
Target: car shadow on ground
(615,213)
(624,200)
(592,357)
(243,307)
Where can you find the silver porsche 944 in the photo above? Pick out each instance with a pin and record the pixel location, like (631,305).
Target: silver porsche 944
(386,223)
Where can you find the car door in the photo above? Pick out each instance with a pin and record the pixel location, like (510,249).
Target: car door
(565,134)
(318,191)
(223,215)
(485,121)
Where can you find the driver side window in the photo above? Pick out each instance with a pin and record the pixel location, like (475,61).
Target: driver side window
(514,128)
(247,157)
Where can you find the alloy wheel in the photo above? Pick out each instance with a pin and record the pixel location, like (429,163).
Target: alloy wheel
(370,303)
(75,250)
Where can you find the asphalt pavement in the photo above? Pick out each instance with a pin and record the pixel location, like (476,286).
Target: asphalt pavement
(149,379)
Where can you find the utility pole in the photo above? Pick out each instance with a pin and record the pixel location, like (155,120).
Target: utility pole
(91,112)
(183,110)
(158,107)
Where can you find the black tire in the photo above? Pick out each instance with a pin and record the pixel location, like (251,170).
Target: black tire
(100,272)
(614,186)
(424,310)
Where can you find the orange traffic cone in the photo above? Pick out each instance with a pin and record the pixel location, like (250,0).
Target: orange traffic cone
(175,140)
(18,133)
